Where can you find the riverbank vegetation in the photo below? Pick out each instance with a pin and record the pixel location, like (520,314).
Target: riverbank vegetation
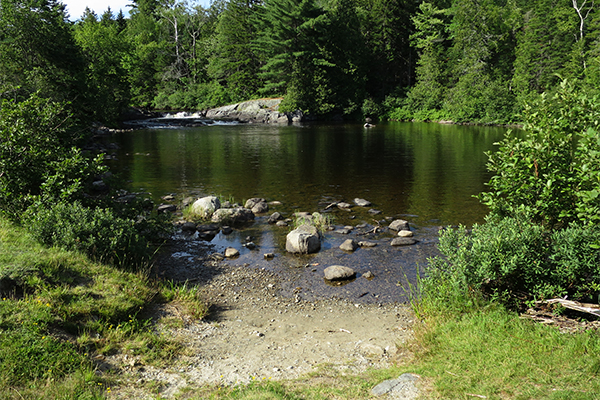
(493,61)
(458,60)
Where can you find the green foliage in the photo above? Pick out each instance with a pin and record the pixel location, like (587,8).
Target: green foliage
(104,46)
(36,155)
(94,231)
(514,260)
(38,53)
(550,171)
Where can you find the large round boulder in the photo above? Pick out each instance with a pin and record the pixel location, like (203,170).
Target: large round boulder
(303,240)
(206,206)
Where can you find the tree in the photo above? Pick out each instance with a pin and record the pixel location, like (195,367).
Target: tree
(386,27)
(431,40)
(235,62)
(38,53)
(104,49)
(543,45)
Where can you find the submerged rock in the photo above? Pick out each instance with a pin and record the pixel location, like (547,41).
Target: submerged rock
(400,241)
(362,202)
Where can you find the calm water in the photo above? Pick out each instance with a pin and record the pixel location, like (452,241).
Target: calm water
(425,173)
(430,171)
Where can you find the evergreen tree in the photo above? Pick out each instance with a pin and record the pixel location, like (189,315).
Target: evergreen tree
(147,56)
(543,45)
(431,39)
(386,27)
(235,63)
(104,48)
(38,53)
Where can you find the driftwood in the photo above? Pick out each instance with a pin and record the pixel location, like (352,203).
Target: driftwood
(593,309)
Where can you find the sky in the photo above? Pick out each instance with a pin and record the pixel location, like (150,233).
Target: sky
(75,8)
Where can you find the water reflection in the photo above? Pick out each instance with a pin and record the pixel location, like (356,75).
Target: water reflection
(428,170)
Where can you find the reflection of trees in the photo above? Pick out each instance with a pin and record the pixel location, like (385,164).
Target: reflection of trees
(426,169)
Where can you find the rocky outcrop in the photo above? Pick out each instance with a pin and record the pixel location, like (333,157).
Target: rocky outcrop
(265,111)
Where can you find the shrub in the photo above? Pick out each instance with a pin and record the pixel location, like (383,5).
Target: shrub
(94,231)
(513,260)
(37,157)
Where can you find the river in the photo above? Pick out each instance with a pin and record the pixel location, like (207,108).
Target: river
(424,173)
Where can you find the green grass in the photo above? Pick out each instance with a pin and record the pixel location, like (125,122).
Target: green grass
(494,353)
(69,309)
(63,309)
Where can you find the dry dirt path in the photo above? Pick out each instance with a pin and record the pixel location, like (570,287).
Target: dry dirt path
(253,332)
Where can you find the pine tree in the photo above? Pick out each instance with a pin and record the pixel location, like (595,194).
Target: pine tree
(235,63)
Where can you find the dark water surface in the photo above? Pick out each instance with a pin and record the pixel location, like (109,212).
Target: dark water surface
(424,173)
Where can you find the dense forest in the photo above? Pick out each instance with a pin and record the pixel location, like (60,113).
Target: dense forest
(460,60)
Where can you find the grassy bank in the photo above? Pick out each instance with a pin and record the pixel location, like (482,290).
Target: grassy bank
(59,312)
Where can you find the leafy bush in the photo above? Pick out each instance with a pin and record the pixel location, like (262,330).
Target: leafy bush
(513,259)
(554,172)
(37,157)
(95,231)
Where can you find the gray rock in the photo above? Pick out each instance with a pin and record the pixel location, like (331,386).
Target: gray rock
(349,245)
(232,216)
(273,218)
(208,228)
(364,243)
(281,223)
(400,241)
(362,202)
(188,227)
(404,233)
(269,256)
(342,231)
(402,388)
(255,111)
(226,230)
(249,245)
(258,206)
(230,252)
(206,206)
(373,211)
(344,206)
(303,240)
(339,273)
(167,208)
(399,225)
(368,275)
